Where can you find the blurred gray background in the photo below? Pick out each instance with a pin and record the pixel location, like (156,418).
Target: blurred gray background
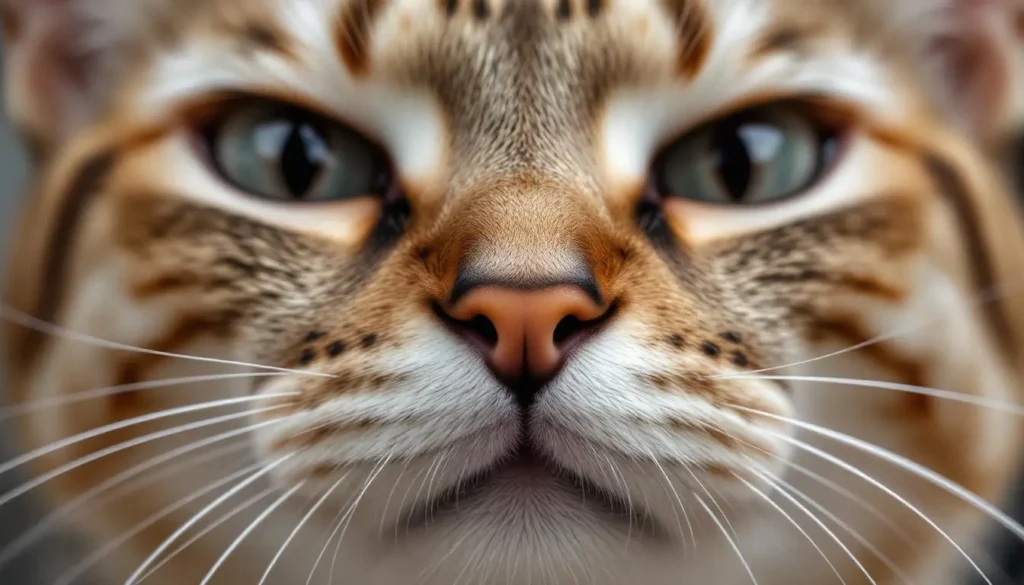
(38,566)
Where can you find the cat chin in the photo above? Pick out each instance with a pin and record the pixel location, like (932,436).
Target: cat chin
(523,526)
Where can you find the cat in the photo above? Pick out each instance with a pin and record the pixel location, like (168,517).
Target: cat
(516,291)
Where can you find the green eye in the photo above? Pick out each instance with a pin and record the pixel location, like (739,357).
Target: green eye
(288,154)
(759,156)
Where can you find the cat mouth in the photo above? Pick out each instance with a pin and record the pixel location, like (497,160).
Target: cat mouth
(526,471)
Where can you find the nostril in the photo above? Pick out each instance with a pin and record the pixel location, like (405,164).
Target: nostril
(483,328)
(571,328)
(567,328)
(478,329)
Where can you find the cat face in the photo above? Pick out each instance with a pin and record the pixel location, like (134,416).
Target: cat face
(512,269)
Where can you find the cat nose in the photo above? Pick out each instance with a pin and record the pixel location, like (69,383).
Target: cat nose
(526,335)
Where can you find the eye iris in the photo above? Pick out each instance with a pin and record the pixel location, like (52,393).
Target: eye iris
(287,154)
(761,155)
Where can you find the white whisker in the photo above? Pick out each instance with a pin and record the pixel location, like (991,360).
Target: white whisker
(859,473)
(336,523)
(30,485)
(39,529)
(859,502)
(714,502)
(298,527)
(248,530)
(982,298)
(133,579)
(76,571)
(50,448)
(996,405)
(25,320)
(846,528)
(768,479)
(30,407)
(341,537)
(245,505)
(920,470)
(725,533)
(679,500)
(795,524)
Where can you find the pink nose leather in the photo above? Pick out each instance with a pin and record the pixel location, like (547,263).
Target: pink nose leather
(526,322)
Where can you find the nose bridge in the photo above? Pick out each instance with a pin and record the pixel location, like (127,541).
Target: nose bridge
(524,234)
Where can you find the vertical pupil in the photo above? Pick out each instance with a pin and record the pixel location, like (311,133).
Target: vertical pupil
(300,164)
(732,160)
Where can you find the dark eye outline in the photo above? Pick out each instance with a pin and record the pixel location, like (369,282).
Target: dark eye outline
(831,121)
(209,122)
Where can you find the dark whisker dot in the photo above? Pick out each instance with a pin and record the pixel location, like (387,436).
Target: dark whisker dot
(732,337)
(369,339)
(710,349)
(336,348)
(740,360)
(676,340)
(307,357)
(314,336)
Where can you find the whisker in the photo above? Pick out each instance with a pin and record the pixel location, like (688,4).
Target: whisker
(725,533)
(25,320)
(981,299)
(859,473)
(79,569)
(133,579)
(391,494)
(359,498)
(679,500)
(30,485)
(93,433)
(339,520)
(931,476)
(997,405)
(617,474)
(248,530)
(795,524)
(298,527)
(859,502)
(768,479)
(336,523)
(30,407)
(245,505)
(675,494)
(39,529)
(714,502)
(846,528)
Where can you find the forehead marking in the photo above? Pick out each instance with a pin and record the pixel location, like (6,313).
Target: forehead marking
(352,33)
(786,38)
(694,33)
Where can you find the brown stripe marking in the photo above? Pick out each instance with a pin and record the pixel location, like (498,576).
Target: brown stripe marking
(73,205)
(786,38)
(694,32)
(352,33)
(264,36)
(953,187)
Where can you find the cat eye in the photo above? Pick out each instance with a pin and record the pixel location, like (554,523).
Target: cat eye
(757,156)
(289,154)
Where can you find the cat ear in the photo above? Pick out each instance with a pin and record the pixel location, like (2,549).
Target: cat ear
(971,53)
(59,61)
